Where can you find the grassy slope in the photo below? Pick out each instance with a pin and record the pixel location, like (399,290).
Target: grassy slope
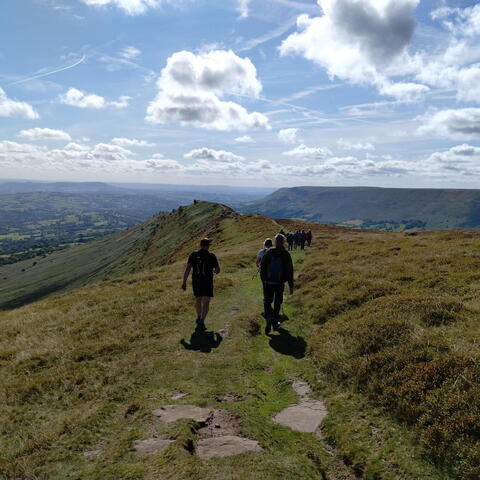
(397,323)
(438,208)
(126,252)
(74,364)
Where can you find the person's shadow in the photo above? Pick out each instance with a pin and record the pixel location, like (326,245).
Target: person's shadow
(202,341)
(286,344)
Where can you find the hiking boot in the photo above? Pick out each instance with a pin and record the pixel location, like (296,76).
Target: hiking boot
(268,328)
(201,325)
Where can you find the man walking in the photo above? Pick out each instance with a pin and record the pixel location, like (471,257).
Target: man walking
(303,239)
(309,238)
(204,265)
(290,240)
(276,269)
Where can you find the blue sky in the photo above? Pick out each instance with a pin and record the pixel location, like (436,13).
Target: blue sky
(259,92)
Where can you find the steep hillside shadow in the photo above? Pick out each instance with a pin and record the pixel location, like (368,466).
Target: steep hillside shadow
(203,341)
(286,344)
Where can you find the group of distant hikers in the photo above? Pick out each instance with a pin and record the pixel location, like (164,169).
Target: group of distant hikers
(297,239)
(273,262)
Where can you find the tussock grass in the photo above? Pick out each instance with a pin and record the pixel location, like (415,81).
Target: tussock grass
(401,329)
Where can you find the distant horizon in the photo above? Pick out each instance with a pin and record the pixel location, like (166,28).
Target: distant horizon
(255,187)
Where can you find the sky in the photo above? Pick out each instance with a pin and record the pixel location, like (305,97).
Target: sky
(241,92)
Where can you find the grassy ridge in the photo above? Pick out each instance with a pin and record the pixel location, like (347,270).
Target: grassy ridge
(380,208)
(384,326)
(142,246)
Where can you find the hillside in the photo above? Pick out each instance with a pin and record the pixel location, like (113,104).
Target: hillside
(37,218)
(129,251)
(397,209)
(383,327)
(32,224)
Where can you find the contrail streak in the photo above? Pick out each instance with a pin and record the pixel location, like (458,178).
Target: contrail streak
(46,74)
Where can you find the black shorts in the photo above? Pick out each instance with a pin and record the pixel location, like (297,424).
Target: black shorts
(203,288)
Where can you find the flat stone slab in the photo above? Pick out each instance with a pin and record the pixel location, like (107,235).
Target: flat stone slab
(306,416)
(150,446)
(172,413)
(225,446)
(301,388)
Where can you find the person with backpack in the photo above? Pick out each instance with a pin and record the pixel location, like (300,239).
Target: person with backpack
(297,237)
(303,239)
(309,238)
(266,245)
(290,240)
(276,269)
(204,265)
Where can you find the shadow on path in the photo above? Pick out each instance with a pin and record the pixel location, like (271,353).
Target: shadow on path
(201,341)
(286,344)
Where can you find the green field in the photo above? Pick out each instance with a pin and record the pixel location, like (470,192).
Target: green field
(383,326)
(35,224)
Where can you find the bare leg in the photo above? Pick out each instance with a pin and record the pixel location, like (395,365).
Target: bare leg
(198,306)
(205,306)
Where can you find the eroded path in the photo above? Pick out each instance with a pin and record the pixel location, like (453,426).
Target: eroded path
(232,396)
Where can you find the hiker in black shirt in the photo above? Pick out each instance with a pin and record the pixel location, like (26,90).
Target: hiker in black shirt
(276,269)
(204,264)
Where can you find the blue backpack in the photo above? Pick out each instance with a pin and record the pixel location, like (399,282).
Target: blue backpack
(275,270)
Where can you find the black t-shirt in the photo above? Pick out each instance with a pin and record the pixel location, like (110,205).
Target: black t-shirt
(203,262)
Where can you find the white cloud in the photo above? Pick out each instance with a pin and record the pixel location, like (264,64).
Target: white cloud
(245,139)
(131,7)
(288,135)
(132,142)
(101,157)
(77,147)
(43,134)
(347,145)
(122,102)
(191,87)
(461,153)
(453,123)
(213,155)
(14,108)
(461,160)
(455,67)
(302,151)
(163,164)
(130,52)
(243,8)
(7,146)
(404,91)
(362,41)
(77,98)
(348,167)
(464,21)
